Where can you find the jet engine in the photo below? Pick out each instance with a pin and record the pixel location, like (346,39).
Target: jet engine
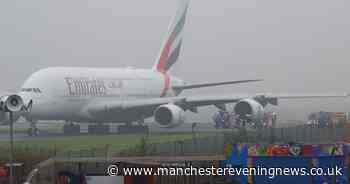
(10,103)
(250,110)
(169,115)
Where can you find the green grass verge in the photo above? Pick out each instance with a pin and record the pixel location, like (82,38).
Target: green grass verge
(115,143)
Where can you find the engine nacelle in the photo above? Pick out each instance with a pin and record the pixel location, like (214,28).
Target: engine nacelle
(11,103)
(169,115)
(249,109)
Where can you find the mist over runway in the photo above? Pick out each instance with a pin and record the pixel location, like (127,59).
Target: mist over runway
(293,51)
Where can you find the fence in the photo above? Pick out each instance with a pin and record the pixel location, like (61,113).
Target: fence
(307,134)
(198,145)
(212,144)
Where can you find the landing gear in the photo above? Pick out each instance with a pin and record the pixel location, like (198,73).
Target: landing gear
(71,129)
(141,122)
(98,129)
(33,129)
(129,128)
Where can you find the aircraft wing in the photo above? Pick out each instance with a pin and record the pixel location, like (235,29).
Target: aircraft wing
(193,86)
(219,100)
(125,105)
(192,102)
(308,96)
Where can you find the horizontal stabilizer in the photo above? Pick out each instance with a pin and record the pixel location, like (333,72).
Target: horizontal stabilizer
(192,86)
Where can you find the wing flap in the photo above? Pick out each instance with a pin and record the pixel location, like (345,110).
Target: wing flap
(308,96)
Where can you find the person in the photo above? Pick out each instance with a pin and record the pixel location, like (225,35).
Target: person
(312,120)
(274,119)
(220,119)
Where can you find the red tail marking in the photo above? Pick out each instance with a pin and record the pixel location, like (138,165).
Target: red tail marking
(166,84)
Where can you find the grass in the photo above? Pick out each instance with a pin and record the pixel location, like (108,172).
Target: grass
(88,141)
(74,143)
(31,152)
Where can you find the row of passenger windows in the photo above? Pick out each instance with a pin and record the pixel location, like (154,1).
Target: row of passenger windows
(35,90)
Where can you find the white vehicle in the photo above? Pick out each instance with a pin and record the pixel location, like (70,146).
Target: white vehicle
(126,95)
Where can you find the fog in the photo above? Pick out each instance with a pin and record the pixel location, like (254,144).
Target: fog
(295,46)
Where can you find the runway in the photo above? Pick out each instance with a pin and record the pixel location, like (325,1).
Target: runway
(154,128)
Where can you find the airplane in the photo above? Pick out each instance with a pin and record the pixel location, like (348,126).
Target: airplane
(126,95)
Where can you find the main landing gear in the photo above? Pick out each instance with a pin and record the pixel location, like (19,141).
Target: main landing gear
(98,129)
(33,129)
(71,129)
(74,129)
(129,128)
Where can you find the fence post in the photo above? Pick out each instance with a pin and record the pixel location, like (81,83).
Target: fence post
(311,134)
(106,151)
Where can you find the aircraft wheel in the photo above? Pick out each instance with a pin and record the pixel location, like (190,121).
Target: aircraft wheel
(71,129)
(98,129)
(130,129)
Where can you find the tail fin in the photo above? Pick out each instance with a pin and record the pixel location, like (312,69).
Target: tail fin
(171,47)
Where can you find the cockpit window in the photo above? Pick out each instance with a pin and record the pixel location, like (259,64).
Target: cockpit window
(35,90)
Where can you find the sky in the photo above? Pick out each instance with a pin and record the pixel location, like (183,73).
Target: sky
(295,46)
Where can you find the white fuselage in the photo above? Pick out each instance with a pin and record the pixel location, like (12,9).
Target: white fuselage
(64,93)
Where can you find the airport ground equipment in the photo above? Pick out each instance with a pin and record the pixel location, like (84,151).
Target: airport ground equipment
(328,119)
(224,119)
